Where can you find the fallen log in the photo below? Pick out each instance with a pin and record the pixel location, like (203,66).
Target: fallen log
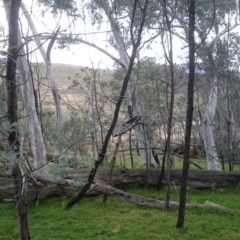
(69,186)
(196,178)
(59,186)
(149,202)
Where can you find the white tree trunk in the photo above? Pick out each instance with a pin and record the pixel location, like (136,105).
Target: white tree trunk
(143,143)
(207,129)
(48,64)
(33,124)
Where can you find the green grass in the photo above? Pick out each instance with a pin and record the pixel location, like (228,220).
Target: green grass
(91,219)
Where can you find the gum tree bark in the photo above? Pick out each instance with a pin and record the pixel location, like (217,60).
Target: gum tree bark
(207,129)
(208,118)
(48,64)
(33,124)
(12,10)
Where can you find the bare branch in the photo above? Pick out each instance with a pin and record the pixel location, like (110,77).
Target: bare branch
(51,43)
(103,51)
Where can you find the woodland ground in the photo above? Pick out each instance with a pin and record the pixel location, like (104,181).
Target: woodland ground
(91,219)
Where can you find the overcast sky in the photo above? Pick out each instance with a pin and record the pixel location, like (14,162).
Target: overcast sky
(81,54)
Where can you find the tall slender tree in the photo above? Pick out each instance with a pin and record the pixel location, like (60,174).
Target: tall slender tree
(189,115)
(169,57)
(48,64)
(12,8)
(33,124)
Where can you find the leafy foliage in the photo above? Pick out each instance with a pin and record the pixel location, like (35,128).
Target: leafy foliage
(58,6)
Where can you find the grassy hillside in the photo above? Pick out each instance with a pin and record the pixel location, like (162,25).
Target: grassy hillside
(66,75)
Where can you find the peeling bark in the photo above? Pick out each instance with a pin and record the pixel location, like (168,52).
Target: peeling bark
(207,129)
(33,125)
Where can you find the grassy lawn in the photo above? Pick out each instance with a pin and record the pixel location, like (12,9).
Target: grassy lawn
(91,219)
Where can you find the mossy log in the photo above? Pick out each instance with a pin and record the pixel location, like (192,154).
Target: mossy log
(41,186)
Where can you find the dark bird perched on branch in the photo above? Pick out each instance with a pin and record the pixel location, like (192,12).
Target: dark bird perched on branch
(132,120)
(130,111)
(155,155)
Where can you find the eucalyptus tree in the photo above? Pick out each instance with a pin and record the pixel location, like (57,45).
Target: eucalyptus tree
(168,20)
(93,112)
(226,123)
(225,20)
(151,80)
(211,27)
(119,16)
(119,37)
(47,61)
